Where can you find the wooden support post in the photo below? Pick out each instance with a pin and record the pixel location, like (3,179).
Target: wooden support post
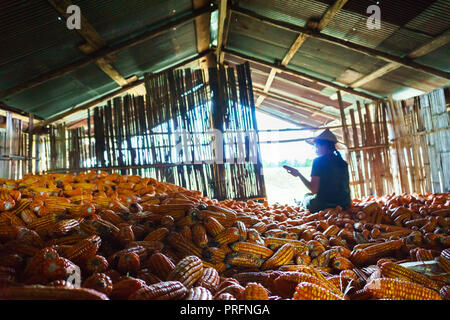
(30,142)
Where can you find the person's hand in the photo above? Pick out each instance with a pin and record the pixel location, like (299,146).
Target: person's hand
(292,171)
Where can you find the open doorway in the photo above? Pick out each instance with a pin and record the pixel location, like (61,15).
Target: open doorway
(281,187)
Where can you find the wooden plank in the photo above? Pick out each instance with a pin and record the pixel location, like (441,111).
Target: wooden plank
(30,143)
(294,48)
(202,30)
(223,7)
(145,36)
(406,62)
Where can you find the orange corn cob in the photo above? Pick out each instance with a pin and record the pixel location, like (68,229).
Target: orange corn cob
(27,216)
(187,271)
(199,236)
(235,290)
(63,227)
(446,254)
(253,236)
(168,290)
(305,269)
(331,231)
(99,282)
(213,226)
(37,292)
(199,293)
(309,291)
(125,288)
(11,218)
(210,279)
(341,263)
(230,215)
(179,243)
(157,235)
(275,243)
(254,248)
(70,239)
(21,205)
(244,260)
(213,255)
(325,258)
(399,290)
(281,257)
(227,236)
(84,249)
(261,277)
(444,264)
(349,274)
(242,230)
(396,271)
(260,227)
(302,259)
(6,201)
(160,265)
(111,216)
(254,291)
(286,283)
(373,253)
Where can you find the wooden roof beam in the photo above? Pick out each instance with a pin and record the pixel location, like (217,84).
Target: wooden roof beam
(202,32)
(324,21)
(94,42)
(304,75)
(406,62)
(107,51)
(222,32)
(434,44)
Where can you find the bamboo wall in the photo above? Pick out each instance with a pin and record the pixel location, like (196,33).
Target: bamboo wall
(171,134)
(402,146)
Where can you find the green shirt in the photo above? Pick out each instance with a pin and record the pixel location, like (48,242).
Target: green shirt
(334,187)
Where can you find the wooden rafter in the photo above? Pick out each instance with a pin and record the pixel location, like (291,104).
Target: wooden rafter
(405,62)
(434,44)
(221,28)
(94,42)
(303,75)
(92,58)
(324,21)
(202,31)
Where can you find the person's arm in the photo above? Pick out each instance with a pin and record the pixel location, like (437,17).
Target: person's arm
(312,185)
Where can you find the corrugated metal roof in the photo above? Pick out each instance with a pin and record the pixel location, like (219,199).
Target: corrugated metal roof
(64,92)
(33,41)
(118,19)
(438,58)
(296,12)
(403,41)
(156,53)
(434,20)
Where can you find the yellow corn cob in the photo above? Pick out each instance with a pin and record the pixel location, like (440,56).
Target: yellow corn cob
(21,205)
(254,291)
(8,232)
(227,236)
(199,236)
(225,296)
(305,269)
(179,243)
(309,291)
(230,215)
(275,243)
(253,236)
(244,260)
(373,253)
(167,290)
(253,248)
(27,216)
(187,271)
(399,290)
(199,293)
(111,216)
(396,271)
(242,230)
(11,218)
(213,255)
(286,283)
(281,257)
(157,235)
(213,226)
(260,227)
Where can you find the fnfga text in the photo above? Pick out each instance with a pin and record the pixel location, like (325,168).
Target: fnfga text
(237,309)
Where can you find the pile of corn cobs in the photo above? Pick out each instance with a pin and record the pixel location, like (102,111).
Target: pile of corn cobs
(112,236)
